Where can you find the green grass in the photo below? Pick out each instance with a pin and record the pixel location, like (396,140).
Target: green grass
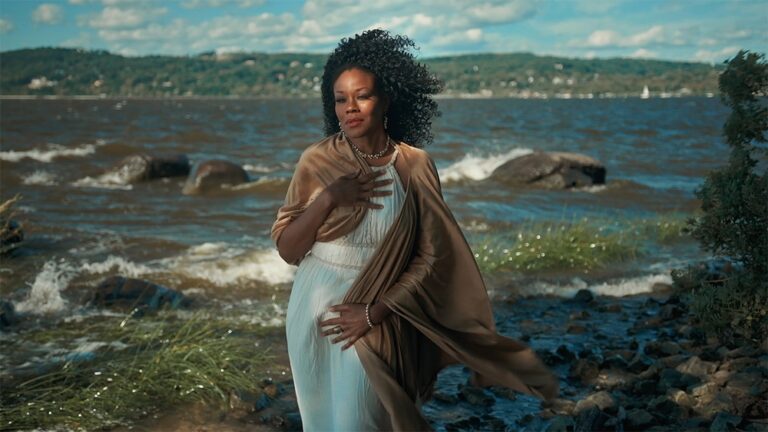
(583,245)
(162,362)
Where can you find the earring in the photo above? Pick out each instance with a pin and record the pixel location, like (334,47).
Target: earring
(385,122)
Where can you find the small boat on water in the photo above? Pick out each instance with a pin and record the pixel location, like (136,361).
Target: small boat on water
(645,94)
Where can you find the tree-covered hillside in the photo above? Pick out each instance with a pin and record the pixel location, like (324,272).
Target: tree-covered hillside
(68,72)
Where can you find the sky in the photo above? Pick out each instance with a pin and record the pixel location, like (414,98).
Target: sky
(709,31)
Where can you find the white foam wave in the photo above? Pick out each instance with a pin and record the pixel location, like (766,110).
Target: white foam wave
(43,178)
(223,265)
(124,267)
(116,179)
(45,295)
(262,180)
(615,288)
(474,167)
(259,168)
(50,153)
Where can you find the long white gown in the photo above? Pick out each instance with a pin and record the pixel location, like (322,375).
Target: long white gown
(332,388)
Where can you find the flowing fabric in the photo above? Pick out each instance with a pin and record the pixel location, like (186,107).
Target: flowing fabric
(424,271)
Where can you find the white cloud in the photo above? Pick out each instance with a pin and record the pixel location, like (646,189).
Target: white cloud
(47,13)
(716,56)
(118,17)
(5,26)
(505,12)
(654,35)
(643,54)
(197,4)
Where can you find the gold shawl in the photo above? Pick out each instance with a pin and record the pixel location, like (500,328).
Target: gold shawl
(425,272)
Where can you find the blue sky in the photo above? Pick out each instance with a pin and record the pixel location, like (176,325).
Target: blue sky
(690,30)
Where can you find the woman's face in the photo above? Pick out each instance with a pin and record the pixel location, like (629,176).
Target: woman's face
(359,107)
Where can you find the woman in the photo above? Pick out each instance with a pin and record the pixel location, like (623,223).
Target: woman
(383,265)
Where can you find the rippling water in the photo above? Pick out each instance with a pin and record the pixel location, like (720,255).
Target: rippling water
(83,226)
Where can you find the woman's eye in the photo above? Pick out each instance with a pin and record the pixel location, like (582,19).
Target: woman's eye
(339,100)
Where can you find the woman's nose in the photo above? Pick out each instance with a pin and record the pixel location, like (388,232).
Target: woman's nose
(352,105)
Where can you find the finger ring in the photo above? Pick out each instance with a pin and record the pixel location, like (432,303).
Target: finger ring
(338,330)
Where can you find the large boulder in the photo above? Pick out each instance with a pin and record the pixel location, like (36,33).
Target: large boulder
(130,293)
(144,167)
(551,170)
(8,315)
(211,175)
(11,235)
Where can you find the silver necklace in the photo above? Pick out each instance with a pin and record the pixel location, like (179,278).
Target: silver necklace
(366,155)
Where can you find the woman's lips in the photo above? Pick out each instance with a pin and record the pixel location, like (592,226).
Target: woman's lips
(354,122)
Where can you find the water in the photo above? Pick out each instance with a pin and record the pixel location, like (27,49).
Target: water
(82,225)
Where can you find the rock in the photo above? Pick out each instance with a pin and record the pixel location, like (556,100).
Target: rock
(476,396)
(11,235)
(680,397)
(565,353)
(583,296)
(696,367)
(602,400)
(503,392)
(561,424)
(553,170)
(638,419)
(576,329)
(663,406)
(8,315)
(445,397)
(671,378)
(585,370)
(673,360)
(143,167)
(580,315)
(713,401)
(644,387)
(591,419)
(724,422)
(670,348)
(129,293)
(549,359)
(211,175)
(671,311)
(614,307)
(560,406)
(639,364)
(666,348)
(615,361)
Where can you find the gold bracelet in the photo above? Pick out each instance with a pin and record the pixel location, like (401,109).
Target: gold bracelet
(368,315)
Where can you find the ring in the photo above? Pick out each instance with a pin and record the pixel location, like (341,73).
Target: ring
(337,330)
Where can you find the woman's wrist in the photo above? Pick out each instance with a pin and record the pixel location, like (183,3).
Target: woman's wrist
(378,312)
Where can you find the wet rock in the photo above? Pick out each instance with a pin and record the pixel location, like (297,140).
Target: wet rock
(560,406)
(591,419)
(664,407)
(552,170)
(697,367)
(638,419)
(602,400)
(561,424)
(661,349)
(671,378)
(615,361)
(585,370)
(445,397)
(503,392)
(639,364)
(565,353)
(576,329)
(671,311)
(549,358)
(644,387)
(724,422)
(476,396)
(583,296)
(738,364)
(580,315)
(11,235)
(673,360)
(143,167)
(613,308)
(211,175)
(122,292)
(8,315)
(710,400)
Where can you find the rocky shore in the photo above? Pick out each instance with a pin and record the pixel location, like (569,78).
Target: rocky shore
(630,363)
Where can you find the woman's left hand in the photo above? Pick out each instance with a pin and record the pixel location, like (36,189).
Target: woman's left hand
(352,323)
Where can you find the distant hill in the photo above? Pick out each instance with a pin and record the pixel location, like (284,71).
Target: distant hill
(69,72)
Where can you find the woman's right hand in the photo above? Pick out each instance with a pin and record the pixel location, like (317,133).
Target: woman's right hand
(356,189)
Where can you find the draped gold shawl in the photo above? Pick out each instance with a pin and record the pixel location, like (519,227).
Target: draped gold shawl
(425,272)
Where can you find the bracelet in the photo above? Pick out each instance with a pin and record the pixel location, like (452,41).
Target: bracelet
(368,315)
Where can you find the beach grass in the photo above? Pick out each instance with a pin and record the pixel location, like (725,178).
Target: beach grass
(149,364)
(584,244)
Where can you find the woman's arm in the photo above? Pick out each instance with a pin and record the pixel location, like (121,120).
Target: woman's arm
(354,189)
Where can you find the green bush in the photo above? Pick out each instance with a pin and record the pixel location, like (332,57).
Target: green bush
(734,224)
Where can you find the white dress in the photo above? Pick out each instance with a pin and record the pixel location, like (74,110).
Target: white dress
(332,388)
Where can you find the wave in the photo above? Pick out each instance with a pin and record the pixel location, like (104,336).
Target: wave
(616,288)
(223,265)
(45,295)
(52,152)
(473,167)
(261,182)
(116,179)
(42,178)
(259,168)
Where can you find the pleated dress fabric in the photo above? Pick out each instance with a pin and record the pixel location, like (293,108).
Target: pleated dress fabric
(332,389)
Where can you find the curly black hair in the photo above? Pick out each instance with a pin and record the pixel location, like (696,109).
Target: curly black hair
(407,83)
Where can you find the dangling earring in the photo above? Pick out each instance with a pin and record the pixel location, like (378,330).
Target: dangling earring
(385,122)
